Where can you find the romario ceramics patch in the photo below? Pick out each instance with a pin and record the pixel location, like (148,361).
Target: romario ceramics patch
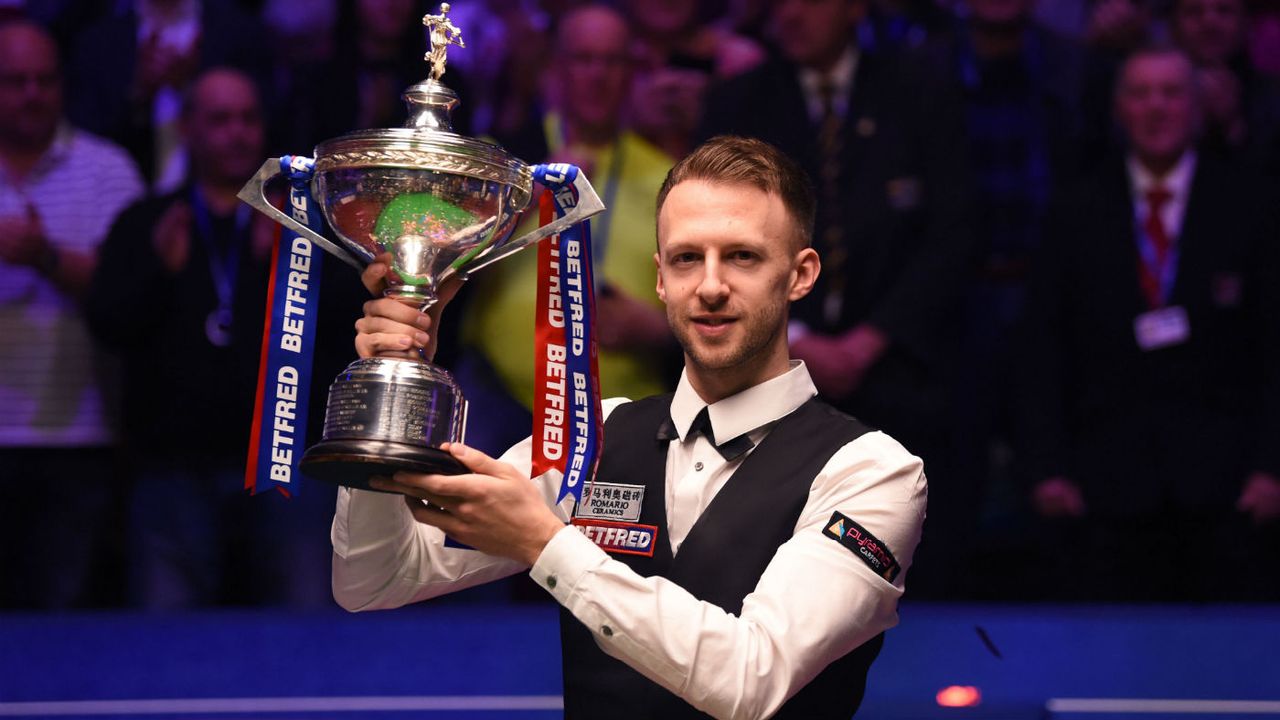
(627,538)
(862,543)
(611,501)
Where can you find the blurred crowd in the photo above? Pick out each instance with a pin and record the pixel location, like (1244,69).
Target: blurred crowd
(1049,231)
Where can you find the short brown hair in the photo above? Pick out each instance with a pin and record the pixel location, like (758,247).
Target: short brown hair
(733,160)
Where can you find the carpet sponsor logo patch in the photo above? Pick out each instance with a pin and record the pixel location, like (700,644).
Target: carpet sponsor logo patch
(614,537)
(862,543)
(611,501)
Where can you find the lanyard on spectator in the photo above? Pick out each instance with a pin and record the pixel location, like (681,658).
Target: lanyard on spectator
(555,130)
(224,265)
(288,339)
(567,432)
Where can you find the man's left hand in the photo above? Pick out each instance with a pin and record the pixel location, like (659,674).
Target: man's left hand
(1260,498)
(839,363)
(22,239)
(495,509)
(626,323)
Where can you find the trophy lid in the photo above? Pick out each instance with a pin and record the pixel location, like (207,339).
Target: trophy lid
(427,140)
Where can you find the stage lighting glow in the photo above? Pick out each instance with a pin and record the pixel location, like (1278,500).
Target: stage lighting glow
(959,696)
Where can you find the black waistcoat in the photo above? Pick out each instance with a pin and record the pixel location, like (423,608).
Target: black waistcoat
(721,559)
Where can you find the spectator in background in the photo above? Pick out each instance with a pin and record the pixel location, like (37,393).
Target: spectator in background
(1241,104)
(180,292)
(1024,128)
(1150,388)
(894,25)
(128,73)
(676,56)
(378,52)
(587,129)
(882,138)
(302,34)
(507,45)
(59,191)
(1264,37)
(1119,26)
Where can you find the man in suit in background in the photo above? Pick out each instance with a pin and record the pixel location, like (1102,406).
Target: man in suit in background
(1150,382)
(883,141)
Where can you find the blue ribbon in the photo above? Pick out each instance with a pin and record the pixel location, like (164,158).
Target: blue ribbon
(284,381)
(576,298)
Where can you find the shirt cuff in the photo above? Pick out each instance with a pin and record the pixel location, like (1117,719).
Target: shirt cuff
(565,562)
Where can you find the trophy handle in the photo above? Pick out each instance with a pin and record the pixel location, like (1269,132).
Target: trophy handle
(589,204)
(253,194)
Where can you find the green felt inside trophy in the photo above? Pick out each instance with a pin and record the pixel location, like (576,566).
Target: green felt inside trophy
(418,229)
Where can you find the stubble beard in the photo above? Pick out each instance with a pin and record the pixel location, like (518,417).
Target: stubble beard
(761,328)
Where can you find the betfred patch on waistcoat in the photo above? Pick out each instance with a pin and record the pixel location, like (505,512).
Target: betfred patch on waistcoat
(862,543)
(615,537)
(610,501)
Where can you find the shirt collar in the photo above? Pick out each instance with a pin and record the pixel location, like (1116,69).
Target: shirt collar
(748,410)
(1177,181)
(59,149)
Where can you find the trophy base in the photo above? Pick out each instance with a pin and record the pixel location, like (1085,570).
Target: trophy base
(352,462)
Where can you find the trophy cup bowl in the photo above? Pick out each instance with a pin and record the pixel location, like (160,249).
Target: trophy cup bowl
(441,204)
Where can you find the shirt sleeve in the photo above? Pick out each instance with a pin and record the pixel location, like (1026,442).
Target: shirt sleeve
(816,601)
(383,558)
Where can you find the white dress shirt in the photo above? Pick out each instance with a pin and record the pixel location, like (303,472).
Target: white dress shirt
(815,602)
(52,390)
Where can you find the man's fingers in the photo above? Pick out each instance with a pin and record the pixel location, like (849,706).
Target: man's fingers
(480,463)
(410,488)
(372,345)
(429,515)
(386,326)
(374,278)
(392,309)
(390,326)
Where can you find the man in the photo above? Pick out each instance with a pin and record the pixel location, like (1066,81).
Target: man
(60,188)
(130,69)
(755,598)
(587,128)
(1241,103)
(1150,388)
(1024,121)
(180,293)
(883,141)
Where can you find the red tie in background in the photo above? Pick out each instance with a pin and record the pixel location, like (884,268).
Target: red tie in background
(1152,268)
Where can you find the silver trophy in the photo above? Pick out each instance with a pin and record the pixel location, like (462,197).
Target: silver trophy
(442,205)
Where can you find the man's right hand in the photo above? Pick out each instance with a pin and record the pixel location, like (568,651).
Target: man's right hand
(392,327)
(1058,497)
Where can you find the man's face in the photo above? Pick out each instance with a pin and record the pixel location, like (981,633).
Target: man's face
(1000,12)
(1156,105)
(30,87)
(1212,31)
(727,270)
(597,68)
(223,127)
(813,33)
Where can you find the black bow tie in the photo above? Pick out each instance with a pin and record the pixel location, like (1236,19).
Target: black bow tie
(730,449)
